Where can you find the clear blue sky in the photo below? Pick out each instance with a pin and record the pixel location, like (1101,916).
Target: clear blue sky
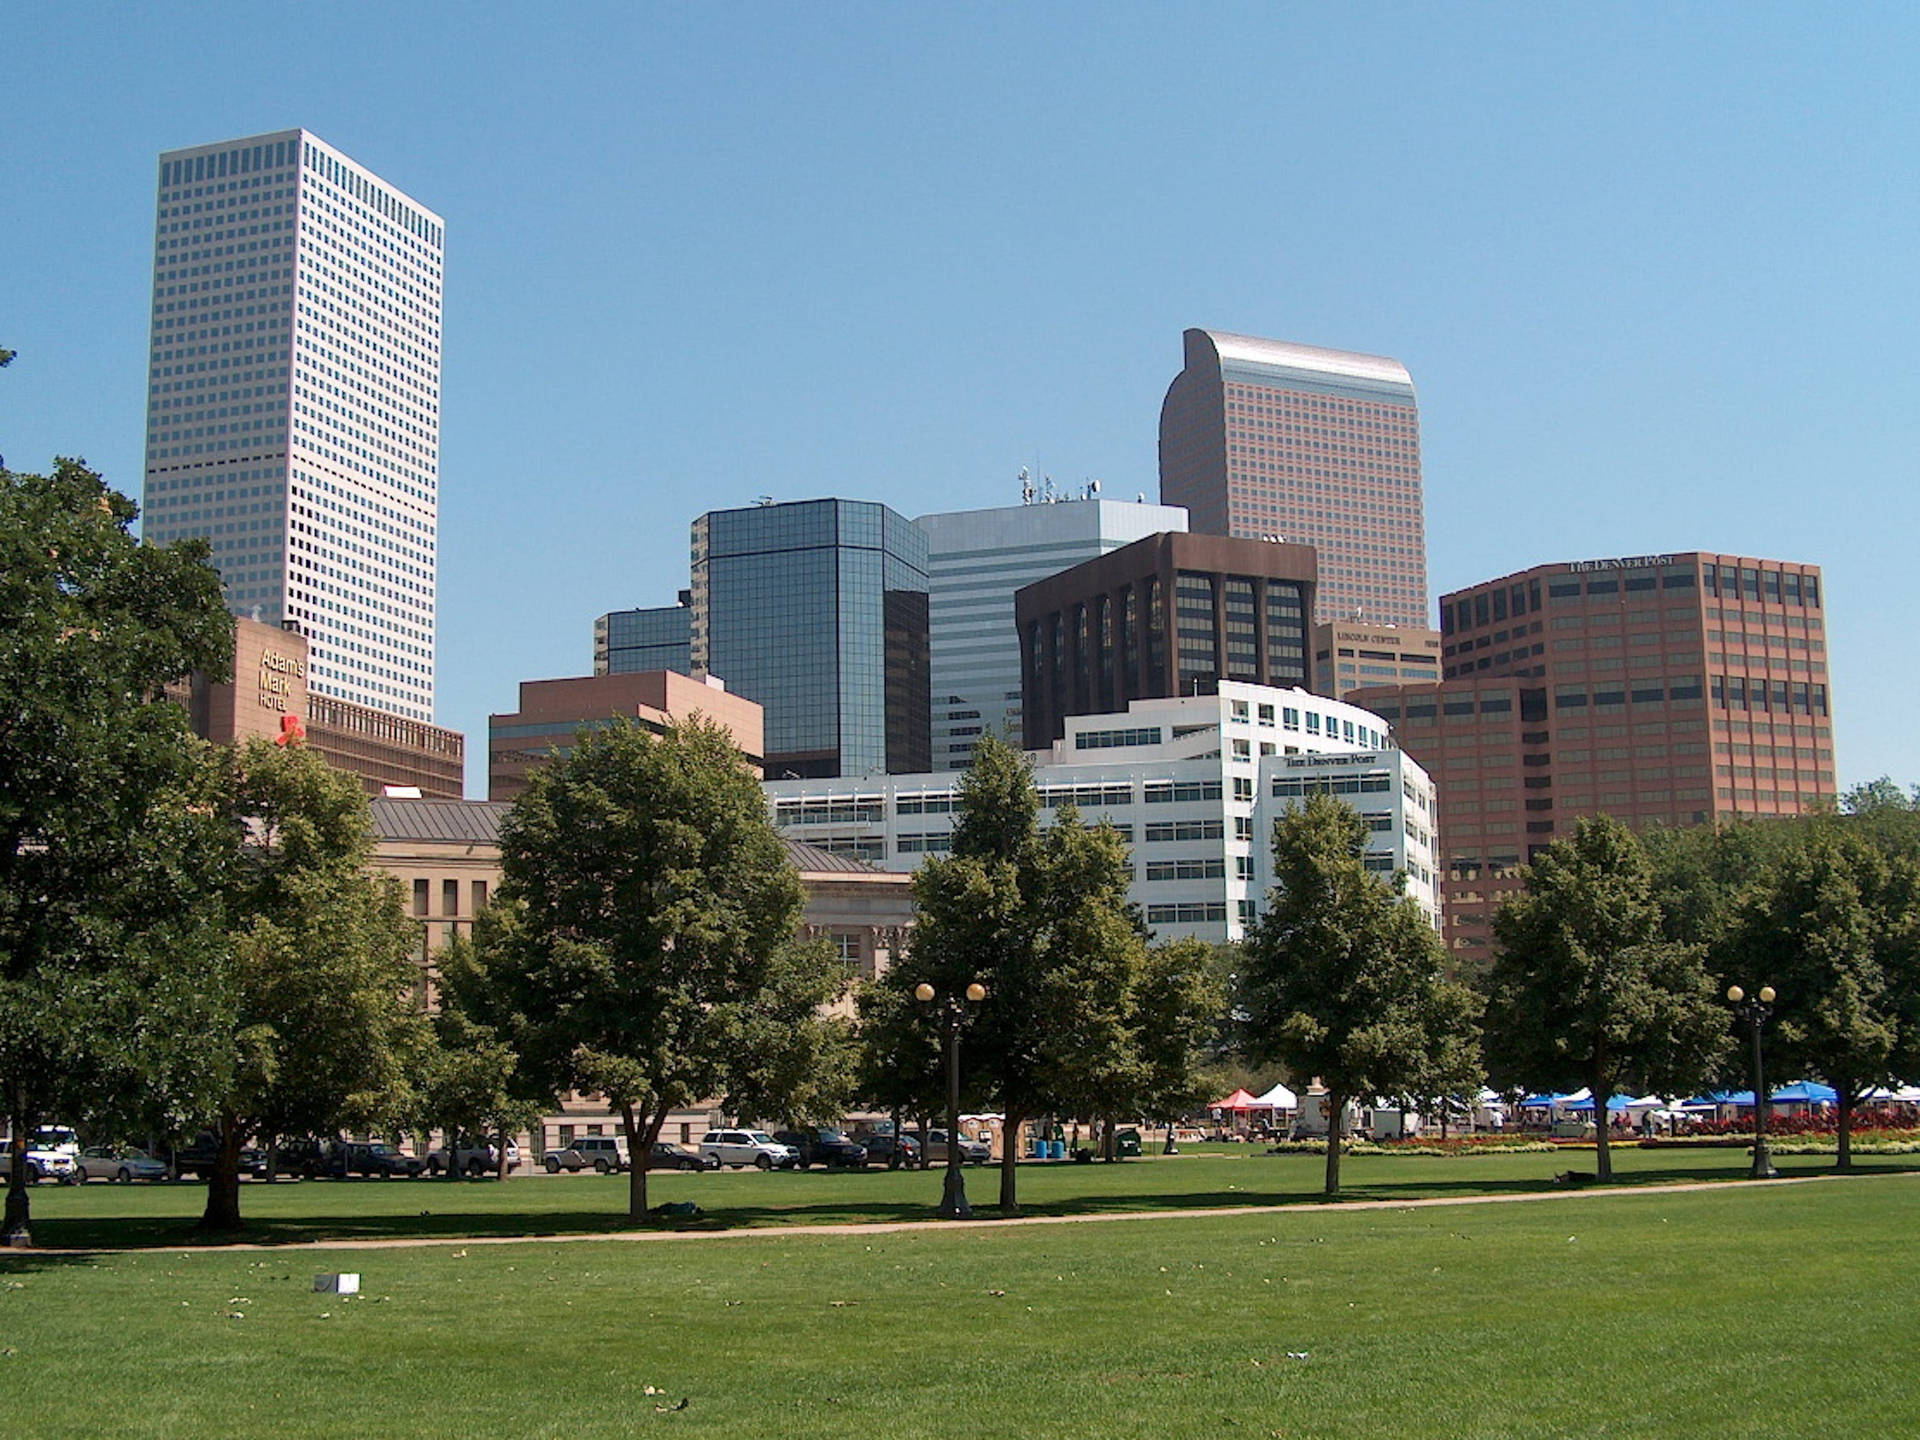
(1653,268)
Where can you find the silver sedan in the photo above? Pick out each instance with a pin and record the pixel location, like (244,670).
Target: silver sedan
(113,1162)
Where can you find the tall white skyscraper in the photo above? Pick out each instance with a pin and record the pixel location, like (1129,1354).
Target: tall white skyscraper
(293,401)
(976,559)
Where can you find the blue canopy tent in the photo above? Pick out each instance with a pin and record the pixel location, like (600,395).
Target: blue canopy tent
(1615,1105)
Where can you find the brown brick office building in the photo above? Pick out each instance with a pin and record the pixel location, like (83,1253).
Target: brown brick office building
(1168,615)
(1680,689)
(269,687)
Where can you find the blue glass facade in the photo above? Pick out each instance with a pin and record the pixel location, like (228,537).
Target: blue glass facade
(817,610)
(628,642)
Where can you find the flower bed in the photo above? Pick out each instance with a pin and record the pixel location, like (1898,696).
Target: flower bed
(1895,1124)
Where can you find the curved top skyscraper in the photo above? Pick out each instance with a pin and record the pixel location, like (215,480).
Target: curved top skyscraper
(1264,438)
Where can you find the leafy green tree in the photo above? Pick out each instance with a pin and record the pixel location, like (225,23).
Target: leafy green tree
(1834,927)
(644,937)
(323,1028)
(1881,794)
(900,1062)
(97,921)
(1340,972)
(1178,1009)
(476,1081)
(1040,919)
(1585,991)
(1453,1067)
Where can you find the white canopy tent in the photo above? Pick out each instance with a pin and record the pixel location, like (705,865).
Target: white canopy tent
(1278,1098)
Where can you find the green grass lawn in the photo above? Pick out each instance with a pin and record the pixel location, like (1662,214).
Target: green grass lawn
(1744,1310)
(100,1214)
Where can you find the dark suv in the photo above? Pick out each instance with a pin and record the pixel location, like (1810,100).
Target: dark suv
(199,1158)
(380,1159)
(825,1147)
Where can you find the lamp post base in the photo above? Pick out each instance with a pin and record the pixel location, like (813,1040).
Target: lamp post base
(953,1197)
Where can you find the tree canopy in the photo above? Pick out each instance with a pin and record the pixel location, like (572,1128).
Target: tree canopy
(323,1025)
(644,940)
(94,904)
(1342,976)
(1585,990)
(1833,925)
(1042,920)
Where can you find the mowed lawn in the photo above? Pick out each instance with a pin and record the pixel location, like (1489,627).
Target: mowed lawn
(101,1214)
(1748,1310)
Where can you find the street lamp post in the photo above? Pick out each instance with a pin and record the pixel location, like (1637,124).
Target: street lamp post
(1755,1012)
(953,1013)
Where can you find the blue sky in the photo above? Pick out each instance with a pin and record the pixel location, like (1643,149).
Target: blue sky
(1652,268)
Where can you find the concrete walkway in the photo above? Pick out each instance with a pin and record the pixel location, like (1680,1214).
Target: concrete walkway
(894,1227)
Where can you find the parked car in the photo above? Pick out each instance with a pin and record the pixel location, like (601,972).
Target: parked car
(972,1152)
(825,1147)
(199,1158)
(118,1162)
(480,1159)
(669,1156)
(381,1159)
(883,1148)
(41,1165)
(603,1154)
(749,1147)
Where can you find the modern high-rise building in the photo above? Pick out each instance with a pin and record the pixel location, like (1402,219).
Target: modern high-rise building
(817,610)
(976,559)
(630,642)
(293,410)
(1168,615)
(1681,689)
(1265,438)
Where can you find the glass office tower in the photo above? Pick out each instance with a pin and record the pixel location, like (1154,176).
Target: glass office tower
(293,402)
(628,642)
(818,611)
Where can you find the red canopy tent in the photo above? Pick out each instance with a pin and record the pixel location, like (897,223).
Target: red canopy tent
(1240,1100)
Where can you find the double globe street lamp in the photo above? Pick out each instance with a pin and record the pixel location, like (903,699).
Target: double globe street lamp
(952,1013)
(1755,1012)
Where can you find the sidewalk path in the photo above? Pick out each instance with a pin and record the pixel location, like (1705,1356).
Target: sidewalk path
(893,1227)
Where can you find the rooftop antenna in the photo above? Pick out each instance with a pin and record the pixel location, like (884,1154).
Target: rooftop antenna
(1046,489)
(764,500)
(1026,486)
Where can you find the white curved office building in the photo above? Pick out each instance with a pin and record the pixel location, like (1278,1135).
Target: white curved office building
(1194,783)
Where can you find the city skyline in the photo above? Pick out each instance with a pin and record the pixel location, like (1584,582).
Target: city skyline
(1581,234)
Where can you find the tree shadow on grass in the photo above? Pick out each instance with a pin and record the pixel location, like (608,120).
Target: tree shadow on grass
(138,1233)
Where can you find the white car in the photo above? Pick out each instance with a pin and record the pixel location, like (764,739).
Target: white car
(749,1147)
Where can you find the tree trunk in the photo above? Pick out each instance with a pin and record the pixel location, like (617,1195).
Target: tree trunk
(1336,1129)
(1603,1152)
(641,1132)
(17,1233)
(1844,1160)
(1009,1160)
(500,1154)
(926,1138)
(893,1160)
(1443,1119)
(222,1214)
